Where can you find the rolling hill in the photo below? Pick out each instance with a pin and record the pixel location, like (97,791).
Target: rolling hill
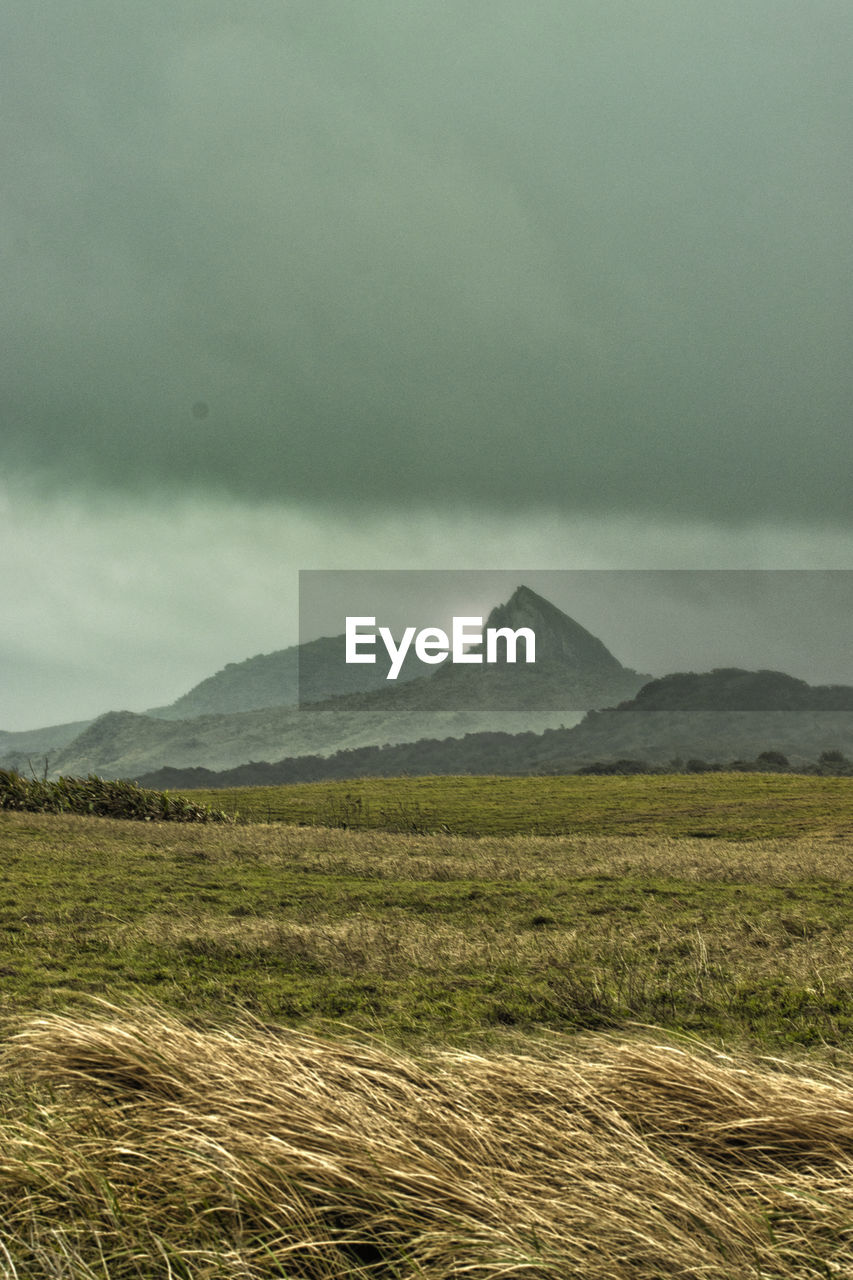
(219,724)
(718,716)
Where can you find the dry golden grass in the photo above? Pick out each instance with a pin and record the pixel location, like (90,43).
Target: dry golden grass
(375,854)
(134,1145)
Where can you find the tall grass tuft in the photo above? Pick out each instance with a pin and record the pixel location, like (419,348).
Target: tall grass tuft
(133,1145)
(104,797)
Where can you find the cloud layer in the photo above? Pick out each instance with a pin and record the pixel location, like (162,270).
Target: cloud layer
(476,284)
(495,257)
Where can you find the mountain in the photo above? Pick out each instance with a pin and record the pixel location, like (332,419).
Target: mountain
(733,689)
(459,718)
(27,748)
(573,671)
(258,684)
(125,744)
(787,716)
(572,666)
(559,639)
(316,670)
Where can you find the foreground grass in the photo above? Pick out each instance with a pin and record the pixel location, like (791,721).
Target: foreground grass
(738,806)
(136,1144)
(432,937)
(133,1145)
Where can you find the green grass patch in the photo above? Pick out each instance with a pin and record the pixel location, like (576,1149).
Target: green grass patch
(437,937)
(738,806)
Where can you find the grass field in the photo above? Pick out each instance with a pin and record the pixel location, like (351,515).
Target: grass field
(740,806)
(493,1066)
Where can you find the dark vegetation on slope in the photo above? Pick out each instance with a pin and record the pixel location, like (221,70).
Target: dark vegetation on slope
(101,797)
(723,719)
(733,689)
(521,754)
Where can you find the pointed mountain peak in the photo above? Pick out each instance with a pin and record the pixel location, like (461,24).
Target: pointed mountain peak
(558,637)
(525,599)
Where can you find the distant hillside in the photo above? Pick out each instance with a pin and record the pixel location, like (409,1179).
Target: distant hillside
(573,671)
(30,746)
(274,680)
(709,736)
(122,744)
(635,730)
(464,718)
(733,689)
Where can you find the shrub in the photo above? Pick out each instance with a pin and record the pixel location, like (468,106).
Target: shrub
(105,797)
(774,758)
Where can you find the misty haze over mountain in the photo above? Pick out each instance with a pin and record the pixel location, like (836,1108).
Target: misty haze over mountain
(248,711)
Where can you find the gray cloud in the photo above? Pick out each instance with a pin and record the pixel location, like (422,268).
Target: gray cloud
(587,258)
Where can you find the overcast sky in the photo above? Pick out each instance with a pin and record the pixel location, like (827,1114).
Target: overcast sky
(442,283)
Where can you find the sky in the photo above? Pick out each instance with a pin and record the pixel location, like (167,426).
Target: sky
(506,284)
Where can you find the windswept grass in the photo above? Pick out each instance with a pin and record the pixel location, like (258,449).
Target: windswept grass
(199,1144)
(133,1145)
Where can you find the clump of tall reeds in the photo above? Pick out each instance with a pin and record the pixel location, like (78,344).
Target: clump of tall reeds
(105,797)
(146,1148)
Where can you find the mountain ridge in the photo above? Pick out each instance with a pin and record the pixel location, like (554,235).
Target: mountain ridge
(573,672)
(719,714)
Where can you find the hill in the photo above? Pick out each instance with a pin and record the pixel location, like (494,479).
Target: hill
(683,716)
(509,718)
(573,671)
(19,750)
(317,668)
(123,744)
(733,689)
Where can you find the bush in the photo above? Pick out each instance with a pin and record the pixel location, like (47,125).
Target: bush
(773,758)
(105,797)
(623,766)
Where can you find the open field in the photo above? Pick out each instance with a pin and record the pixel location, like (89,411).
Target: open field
(493,1064)
(433,936)
(740,806)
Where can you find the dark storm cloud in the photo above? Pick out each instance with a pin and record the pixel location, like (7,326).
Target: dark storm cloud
(588,257)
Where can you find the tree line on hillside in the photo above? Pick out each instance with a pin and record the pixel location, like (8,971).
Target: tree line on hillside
(497,755)
(830,763)
(735,689)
